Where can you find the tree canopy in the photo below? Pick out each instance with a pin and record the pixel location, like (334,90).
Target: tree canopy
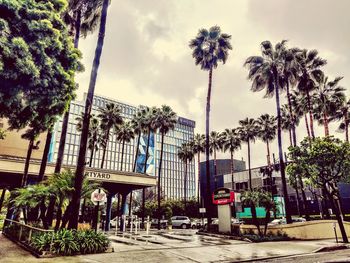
(37,60)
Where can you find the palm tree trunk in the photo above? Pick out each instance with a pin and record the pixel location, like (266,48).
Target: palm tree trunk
(91,155)
(45,156)
(144,171)
(2,198)
(298,201)
(310,114)
(346,121)
(280,154)
(325,122)
(307,126)
(207,153)
(65,120)
(159,178)
(215,170)
(292,115)
(290,137)
(269,167)
(122,156)
(232,171)
(79,174)
(26,166)
(249,169)
(199,179)
(58,216)
(255,219)
(105,148)
(185,186)
(137,152)
(267,220)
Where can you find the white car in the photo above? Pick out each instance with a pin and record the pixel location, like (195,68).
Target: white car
(181,221)
(282,221)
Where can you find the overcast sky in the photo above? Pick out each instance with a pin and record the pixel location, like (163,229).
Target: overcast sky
(146,59)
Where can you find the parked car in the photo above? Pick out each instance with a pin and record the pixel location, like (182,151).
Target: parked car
(181,221)
(163,223)
(281,221)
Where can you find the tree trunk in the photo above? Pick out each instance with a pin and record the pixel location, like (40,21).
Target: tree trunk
(335,207)
(325,123)
(91,155)
(346,121)
(185,186)
(159,178)
(137,153)
(2,198)
(310,114)
(291,113)
(27,163)
(255,219)
(79,174)
(249,169)
(269,168)
(307,126)
(207,150)
(232,172)
(267,220)
(58,216)
(280,154)
(45,156)
(290,137)
(303,195)
(298,203)
(122,156)
(144,171)
(105,148)
(199,179)
(215,170)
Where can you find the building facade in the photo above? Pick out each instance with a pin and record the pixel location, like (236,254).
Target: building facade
(172,176)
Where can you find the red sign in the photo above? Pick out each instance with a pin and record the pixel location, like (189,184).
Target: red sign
(223,196)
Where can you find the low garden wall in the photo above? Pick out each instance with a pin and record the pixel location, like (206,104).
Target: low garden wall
(318,229)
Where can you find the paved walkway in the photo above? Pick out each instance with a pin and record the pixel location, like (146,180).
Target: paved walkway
(193,248)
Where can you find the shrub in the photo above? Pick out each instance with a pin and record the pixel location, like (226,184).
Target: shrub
(69,242)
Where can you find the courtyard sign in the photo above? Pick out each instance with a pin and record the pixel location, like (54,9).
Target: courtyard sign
(223,196)
(98,175)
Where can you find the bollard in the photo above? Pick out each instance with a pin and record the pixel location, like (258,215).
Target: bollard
(131,224)
(136,223)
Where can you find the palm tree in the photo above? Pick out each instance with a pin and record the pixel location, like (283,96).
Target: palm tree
(185,154)
(300,109)
(231,142)
(248,132)
(166,119)
(327,98)
(250,198)
(310,74)
(265,73)
(198,147)
(287,123)
(150,127)
(125,134)
(215,144)
(110,118)
(79,174)
(343,114)
(210,47)
(83,17)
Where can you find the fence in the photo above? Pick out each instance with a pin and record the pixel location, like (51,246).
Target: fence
(22,233)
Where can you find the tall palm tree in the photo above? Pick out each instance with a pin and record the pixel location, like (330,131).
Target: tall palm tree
(83,17)
(343,114)
(248,131)
(125,134)
(287,123)
(138,124)
(300,109)
(166,119)
(110,118)
(210,47)
(310,74)
(198,147)
(150,125)
(265,73)
(327,98)
(79,173)
(267,132)
(231,142)
(215,144)
(185,154)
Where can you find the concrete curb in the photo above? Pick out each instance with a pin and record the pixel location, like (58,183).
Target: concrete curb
(224,236)
(331,248)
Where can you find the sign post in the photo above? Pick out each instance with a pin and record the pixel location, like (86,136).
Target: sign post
(223,197)
(202,211)
(97,197)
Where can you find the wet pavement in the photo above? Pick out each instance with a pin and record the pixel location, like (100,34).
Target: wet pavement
(174,246)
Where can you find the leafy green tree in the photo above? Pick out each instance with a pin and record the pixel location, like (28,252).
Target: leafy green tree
(248,132)
(325,163)
(250,198)
(166,120)
(82,17)
(327,98)
(79,174)
(266,201)
(231,142)
(37,65)
(209,48)
(185,154)
(198,147)
(215,144)
(265,73)
(125,134)
(110,118)
(310,65)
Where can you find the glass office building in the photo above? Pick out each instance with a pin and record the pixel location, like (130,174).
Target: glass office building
(172,181)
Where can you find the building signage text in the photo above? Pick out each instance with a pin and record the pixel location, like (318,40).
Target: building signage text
(223,196)
(98,175)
